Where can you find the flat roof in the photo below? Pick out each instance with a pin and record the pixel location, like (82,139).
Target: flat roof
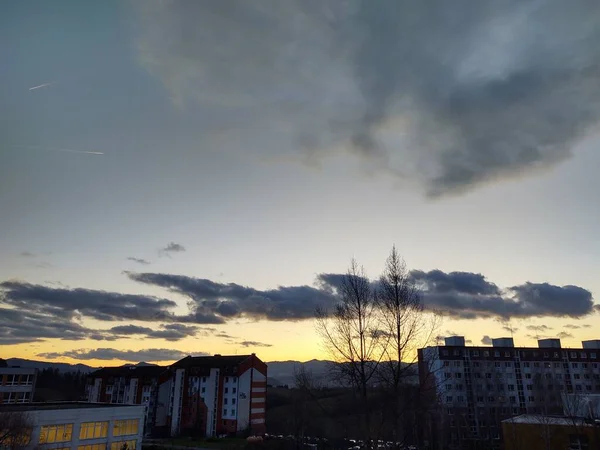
(39,406)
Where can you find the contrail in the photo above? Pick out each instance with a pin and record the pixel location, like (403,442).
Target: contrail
(53,149)
(41,86)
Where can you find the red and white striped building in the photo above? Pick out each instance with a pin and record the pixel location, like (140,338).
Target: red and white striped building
(212,396)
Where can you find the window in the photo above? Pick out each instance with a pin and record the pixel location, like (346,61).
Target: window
(93,430)
(448,387)
(576,376)
(486,353)
(25,379)
(460,399)
(126,427)
(476,364)
(573,355)
(234,390)
(497,354)
(588,387)
(556,354)
(507,364)
(497,364)
(233,403)
(93,447)
(593,355)
(56,433)
(203,390)
(226,390)
(475,352)
(578,442)
(583,355)
(537,364)
(456,353)
(224,412)
(445,353)
(526,364)
(456,363)
(477,375)
(528,376)
(458,375)
(131,445)
(233,412)
(511,387)
(513,399)
(584,365)
(578,387)
(447,375)
(226,379)
(459,387)
(530,387)
(557,365)
(480,398)
(225,401)
(446,363)
(488,375)
(507,354)
(490,399)
(531,398)
(546,355)
(574,365)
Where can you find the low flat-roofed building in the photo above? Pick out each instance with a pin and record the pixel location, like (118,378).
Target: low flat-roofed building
(80,425)
(16,384)
(536,431)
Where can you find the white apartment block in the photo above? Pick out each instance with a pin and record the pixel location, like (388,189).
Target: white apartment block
(477,387)
(81,426)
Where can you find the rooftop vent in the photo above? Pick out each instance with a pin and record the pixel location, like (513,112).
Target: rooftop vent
(503,342)
(457,341)
(549,343)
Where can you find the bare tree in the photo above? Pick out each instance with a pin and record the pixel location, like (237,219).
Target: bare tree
(15,430)
(350,334)
(406,327)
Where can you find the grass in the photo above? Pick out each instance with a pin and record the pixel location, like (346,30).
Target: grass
(212,443)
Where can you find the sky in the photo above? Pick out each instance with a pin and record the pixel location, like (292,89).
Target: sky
(187,177)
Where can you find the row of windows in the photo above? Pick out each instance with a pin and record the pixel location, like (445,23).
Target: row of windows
(526,364)
(232,412)
(225,390)
(16,380)
(88,430)
(119,445)
(491,399)
(16,397)
(523,354)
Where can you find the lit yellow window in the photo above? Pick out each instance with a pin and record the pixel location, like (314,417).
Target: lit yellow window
(93,430)
(126,427)
(124,445)
(56,433)
(92,447)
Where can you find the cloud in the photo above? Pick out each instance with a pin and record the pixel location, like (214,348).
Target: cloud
(510,329)
(169,332)
(564,335)
(109,354)
(413,89)
(572,326)
(214,302)
(71,303)
(538,327)
(27,254)
(486,340)
(172,247)
(138,260)
(253,344)
(469,295)
(586,326)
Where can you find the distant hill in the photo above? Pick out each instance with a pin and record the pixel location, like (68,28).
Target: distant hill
(283,371)
(62,367)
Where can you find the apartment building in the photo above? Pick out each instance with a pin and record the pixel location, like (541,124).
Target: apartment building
(126,385)
(212,396)
(16,385)
(77,426)
(478,387)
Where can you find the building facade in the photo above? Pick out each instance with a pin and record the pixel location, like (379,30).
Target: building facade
(478,387)
(126,385)
(80,425)
(16,385)
(212,396)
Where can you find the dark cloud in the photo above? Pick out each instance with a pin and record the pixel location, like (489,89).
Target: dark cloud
(108,354)
(18,326)
(453,94)
(510,329)
(486,340)
(71,303)
(469,295)
(172,247)
(253,344)
(572,326)
(27,254)
(214,302)
(587,325)
(564,335)
(138,260)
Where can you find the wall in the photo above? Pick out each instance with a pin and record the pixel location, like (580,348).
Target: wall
(527,436)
